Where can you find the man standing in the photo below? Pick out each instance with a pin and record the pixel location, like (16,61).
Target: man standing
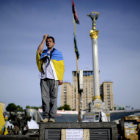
(51,65)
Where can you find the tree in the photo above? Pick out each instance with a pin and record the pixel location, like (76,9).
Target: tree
(28,106)
(32,107)
(65,107)
(19,108)
(11,107)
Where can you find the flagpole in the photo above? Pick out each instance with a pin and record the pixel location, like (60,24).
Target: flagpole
(75,36)
(74,26)
(77,74)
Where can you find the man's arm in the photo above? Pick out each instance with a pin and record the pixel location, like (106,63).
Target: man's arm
(40,47)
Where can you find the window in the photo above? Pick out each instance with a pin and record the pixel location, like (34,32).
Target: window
(108,86)
(108,92)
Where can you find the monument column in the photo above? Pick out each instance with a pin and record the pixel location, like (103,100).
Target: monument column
(97,109)
(94,38)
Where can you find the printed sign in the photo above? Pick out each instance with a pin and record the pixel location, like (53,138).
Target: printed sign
(74,134)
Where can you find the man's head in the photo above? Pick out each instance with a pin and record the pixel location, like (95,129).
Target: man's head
(50,42)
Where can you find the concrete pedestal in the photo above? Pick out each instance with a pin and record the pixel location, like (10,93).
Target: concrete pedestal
(97,112)
(91,131)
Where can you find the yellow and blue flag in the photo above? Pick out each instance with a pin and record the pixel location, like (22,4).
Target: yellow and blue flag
(56,61)
(3,129)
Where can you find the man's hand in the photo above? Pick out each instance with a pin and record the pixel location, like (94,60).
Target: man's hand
(60,82)
(45,36)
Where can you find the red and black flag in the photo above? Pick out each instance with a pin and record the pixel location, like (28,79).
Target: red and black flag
(75,20)
(75,13)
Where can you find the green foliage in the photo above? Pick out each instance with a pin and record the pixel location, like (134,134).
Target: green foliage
(19,108)
(60,108)
(12,107)
(65,107)
(32,107)
(121,108)
(28,106)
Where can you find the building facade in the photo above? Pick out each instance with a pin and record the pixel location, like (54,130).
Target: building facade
(88,92)
(66,94)
(106,91)
(69,93)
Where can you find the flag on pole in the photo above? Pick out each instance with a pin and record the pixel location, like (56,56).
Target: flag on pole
(75,19)
(75,48)
(75,13)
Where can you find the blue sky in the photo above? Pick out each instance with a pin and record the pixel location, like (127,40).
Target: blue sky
(24,22)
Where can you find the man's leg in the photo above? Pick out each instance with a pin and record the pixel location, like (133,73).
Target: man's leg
(45,97)
(53,98)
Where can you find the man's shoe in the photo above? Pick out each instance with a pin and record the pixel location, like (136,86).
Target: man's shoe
(45,120)
(51,120)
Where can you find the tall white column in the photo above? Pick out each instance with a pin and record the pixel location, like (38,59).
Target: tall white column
(94,38)
(96,79)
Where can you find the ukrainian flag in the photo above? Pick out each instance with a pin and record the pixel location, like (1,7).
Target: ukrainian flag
(3,129)
(56,61)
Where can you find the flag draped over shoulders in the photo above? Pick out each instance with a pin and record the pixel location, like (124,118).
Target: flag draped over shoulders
(38,61)
(56,61)
(57,64)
